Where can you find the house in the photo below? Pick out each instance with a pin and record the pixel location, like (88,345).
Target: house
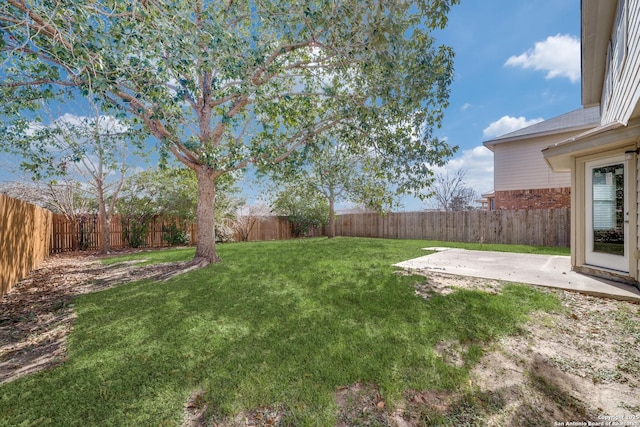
(521,177)
(487,201)
(603,161)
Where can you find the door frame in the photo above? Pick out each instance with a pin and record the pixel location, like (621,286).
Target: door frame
(602,259)
(578,226)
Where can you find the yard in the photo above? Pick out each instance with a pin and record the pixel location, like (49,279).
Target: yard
(306,332)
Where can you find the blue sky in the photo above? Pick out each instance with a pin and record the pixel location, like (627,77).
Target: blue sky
(517,62)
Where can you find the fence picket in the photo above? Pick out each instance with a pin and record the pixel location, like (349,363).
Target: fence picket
(543,227)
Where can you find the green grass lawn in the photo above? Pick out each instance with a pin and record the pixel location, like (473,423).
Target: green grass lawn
(282,324)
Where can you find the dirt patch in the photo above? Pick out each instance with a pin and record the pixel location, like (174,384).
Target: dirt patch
(195,410)
(579,364)
(264,416)
(361,405)
(37,314)
(444,284)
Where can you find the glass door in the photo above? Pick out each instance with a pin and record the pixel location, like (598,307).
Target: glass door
(607,214)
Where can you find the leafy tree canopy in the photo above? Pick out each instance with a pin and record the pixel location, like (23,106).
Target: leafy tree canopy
(173,192)
(222,84)
(303,206)
(340,172)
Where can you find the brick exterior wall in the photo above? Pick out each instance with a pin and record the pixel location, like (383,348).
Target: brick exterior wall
(539,198)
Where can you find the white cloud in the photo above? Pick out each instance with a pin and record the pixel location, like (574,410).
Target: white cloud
(478,162)
(107,124)
(466,106)
(508,124)
(558,55)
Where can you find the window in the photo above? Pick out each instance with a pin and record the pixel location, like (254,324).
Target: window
(616,52)
(619,38)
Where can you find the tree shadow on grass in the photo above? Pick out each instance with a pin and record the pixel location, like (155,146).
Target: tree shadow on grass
(280,337)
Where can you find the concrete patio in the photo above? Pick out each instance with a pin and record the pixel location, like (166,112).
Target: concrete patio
(543,270)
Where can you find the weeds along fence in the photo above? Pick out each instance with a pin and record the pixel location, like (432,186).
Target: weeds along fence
(544,227)
(25,239)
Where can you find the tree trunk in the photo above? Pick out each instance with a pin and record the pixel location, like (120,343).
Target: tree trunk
(75,230)
(206,245)
(104,223)
(332,218)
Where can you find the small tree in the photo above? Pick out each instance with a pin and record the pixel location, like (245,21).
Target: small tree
(247,217)
(137,207)
(303,206)
(95,150)
(450,192)
(340,173)
(68,198)
(465,200)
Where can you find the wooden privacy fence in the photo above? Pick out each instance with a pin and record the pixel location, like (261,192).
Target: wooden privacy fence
(270,228)
(25,232)
(88,234)
(29,233)
(543,227)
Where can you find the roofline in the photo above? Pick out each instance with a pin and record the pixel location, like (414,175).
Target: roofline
(596,24)
(496,141)
(559,156)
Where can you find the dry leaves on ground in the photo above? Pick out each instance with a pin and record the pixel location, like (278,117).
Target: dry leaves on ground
(37,314)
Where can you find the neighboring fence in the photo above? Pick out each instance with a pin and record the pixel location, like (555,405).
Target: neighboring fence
(88,235)
(25,232)
(270,228)
(544,227)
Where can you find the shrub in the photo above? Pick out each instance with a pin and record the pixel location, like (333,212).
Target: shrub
(174,235)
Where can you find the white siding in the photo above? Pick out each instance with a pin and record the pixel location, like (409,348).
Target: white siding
(637,214)
(519,165)
(625,82)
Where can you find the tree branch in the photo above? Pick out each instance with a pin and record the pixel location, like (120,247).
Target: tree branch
(41,24)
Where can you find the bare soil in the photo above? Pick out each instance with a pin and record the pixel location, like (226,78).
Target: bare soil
(37,314)
(579,364)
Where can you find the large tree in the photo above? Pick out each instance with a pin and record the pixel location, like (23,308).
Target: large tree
(171,192)
(223,84)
